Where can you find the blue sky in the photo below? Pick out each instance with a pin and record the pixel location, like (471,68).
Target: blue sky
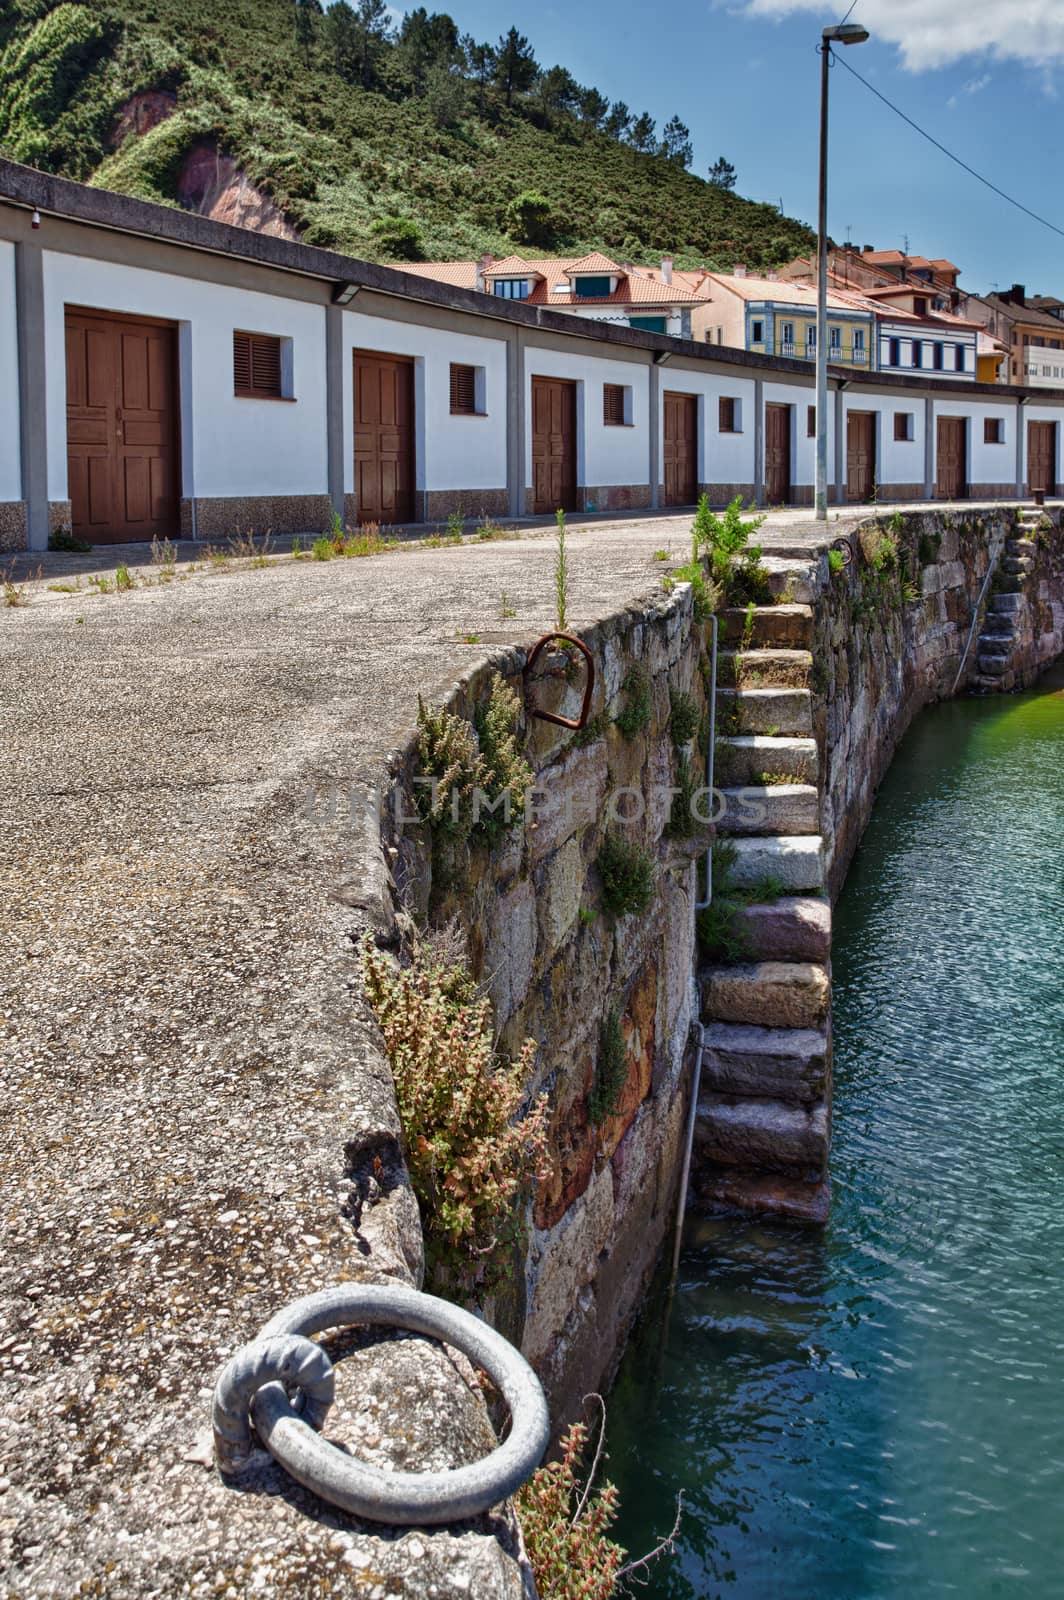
(744,76)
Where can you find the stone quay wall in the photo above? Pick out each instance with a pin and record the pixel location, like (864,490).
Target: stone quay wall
(886,645)
(556,962)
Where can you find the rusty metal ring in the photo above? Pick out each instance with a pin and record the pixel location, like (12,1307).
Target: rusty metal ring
(845,548)
(589,686)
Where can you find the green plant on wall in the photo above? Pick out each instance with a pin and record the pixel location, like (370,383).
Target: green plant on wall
(478,777)
(638,702)
(474,1148)
(611,1070)
(683,717)
(627,874)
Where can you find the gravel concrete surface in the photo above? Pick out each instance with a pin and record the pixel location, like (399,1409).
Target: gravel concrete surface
(186,1055)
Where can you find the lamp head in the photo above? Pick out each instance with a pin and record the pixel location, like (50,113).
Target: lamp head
(845,33)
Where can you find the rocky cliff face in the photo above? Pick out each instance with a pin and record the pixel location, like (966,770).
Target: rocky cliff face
(210,182)
(214,186)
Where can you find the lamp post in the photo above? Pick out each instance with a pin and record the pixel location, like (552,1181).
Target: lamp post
(845,33)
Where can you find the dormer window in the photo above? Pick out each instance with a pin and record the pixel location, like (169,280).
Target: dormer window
(920,305)
(588,287)
(511,288)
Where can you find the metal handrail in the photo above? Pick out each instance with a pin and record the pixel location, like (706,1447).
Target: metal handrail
(703,905)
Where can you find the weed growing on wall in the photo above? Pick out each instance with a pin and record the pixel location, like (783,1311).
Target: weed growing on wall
(734,563)
(627,874)
(479,777)
(638,702)
(565,1525)
(683,717)
(474,1147)
(611,1070)
(561,574)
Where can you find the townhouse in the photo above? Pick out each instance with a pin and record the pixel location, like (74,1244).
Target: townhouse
(163,374)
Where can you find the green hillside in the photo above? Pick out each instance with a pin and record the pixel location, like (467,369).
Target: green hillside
(421,144)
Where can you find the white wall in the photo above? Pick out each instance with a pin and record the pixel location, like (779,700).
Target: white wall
(1043,413)
(10,463)
(987,463)
(722,457)
(450,452)
(229,446)
(605,456)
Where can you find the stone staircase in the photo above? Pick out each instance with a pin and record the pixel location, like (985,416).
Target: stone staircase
(762,1128)
(1006,609)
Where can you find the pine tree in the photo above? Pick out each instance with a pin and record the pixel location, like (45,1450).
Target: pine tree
(722,174)
(642,134)
(676,143)
(515,66)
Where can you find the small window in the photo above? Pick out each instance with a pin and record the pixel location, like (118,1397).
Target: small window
(918,353)
(592,288)
(257,366)
(920,305)
(511,288)
(757,333)
(939,358)
(810,340)
(463,390)
(958,358)
(858,342)
(788,333)
(729,415)
(993,430)
(650,324)
(895,353)
(615,407)
(903,425)
(835,339)
(810,422)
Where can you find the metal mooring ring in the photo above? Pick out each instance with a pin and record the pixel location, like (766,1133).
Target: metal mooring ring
(589,685)
(845,548)
(367,1491)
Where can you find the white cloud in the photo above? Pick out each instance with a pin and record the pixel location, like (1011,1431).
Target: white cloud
(934,33)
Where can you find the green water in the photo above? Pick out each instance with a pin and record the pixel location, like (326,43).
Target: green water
(877,1410)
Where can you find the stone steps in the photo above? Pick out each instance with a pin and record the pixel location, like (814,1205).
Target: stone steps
(769,711)
(770,808)
(770,994)
(795,865)
(762,669)
(996,644)
(745,758)
(1002,605)
(794,579)
(766,1135)
(793,928)
(790,1065)
(727,1190)
(783,627)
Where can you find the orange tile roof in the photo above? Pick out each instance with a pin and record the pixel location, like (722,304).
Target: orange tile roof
(595,262)
(635,288)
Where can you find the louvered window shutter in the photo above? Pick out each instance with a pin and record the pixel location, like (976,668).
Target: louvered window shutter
(463,390)
(613,404)
(257,365)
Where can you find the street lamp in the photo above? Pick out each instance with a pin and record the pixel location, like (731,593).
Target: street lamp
(844,33)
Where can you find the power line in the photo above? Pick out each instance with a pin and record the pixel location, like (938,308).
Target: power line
(939,146)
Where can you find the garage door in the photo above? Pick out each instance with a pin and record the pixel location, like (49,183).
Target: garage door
(553,445)
(384,437)
(122,411)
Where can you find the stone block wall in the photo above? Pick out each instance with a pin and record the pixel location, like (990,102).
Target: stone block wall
(881,655)
(556,961)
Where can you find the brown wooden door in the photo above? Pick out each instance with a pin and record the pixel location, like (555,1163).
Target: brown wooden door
(680,453)
(384,437)
(122,453)
(553,445)
(777,455)
(952,473)
(860,457)
(1041,457)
